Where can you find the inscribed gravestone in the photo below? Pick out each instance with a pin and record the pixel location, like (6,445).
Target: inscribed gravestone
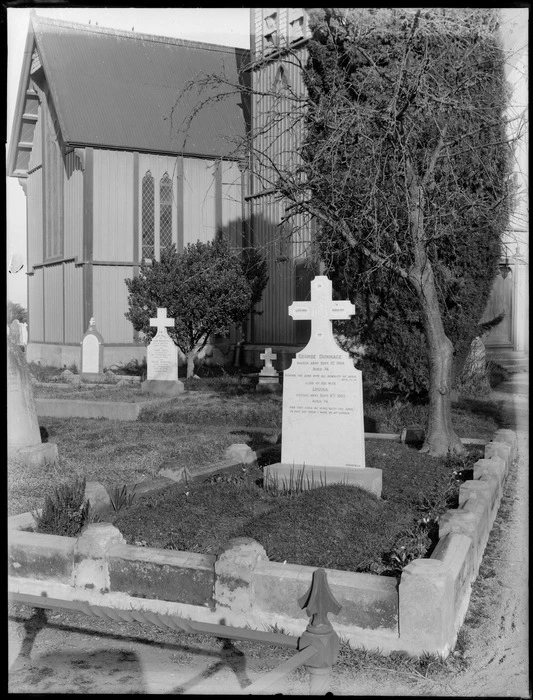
(268,378)
(268,370)
(24,435)
(162,359)
(322,423)
(92,353)
(14,331)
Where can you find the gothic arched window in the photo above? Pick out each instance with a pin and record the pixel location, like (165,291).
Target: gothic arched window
(165,212)
(148,217)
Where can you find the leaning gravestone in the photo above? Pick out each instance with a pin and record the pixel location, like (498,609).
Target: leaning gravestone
(92,355)
(162,360)
(322,439)
(24,435)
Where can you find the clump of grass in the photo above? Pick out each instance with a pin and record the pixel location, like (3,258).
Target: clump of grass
(472,417)
(393,415)
(133,368)
(121,497)
(496,374)
(49,373)
(251,409)
(362,660)
(65,511)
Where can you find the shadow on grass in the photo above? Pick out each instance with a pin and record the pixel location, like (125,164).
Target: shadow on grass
(484,408)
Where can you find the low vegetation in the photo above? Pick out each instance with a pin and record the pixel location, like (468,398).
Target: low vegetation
(331,526)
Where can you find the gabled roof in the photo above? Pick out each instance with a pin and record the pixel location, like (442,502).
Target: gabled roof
(116,89)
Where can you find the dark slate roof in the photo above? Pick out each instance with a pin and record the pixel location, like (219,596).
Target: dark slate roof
(116,89)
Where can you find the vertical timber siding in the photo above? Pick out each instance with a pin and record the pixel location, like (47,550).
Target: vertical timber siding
(73,206)
(113,202)
(53,303)
(36,307)
(199,200)
(36,156)
(231,204)
(109,285)
(285,248)
(274,325)
(34,223)
(73,296)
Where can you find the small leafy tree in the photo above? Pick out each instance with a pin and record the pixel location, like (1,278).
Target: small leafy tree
(205,288)
(16,311)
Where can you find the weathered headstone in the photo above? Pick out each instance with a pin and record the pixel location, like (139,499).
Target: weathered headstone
(92,355)
(14,331)
(23,334)
(322,425)
(162,360)
(24,436)
(268,377)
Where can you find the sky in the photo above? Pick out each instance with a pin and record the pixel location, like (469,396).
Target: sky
(227,26)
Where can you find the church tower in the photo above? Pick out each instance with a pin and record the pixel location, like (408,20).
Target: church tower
(278,52)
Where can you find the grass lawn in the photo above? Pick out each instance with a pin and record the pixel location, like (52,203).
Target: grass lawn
(91,392)
(336,527)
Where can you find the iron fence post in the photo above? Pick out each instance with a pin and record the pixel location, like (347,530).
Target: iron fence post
(318,602)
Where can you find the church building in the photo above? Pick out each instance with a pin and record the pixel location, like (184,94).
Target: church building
(113,172)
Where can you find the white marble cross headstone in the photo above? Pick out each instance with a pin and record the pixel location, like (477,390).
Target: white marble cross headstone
(161,354)
(321,310)
(161,321)
(268,356)
(322,422)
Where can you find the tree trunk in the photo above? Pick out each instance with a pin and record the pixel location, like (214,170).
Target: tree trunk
(441,437)
(190,362)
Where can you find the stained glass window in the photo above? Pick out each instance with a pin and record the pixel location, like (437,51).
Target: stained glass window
(148,217)
(165,212)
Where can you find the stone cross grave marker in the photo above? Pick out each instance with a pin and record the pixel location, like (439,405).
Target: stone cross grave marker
(162,355)
(92,353)
(322,421)
(268,356)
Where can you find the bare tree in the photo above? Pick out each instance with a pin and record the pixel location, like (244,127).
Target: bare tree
(397,147)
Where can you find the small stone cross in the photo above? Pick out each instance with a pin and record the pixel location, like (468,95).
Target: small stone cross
(268,356)
(162,322)
(321,310)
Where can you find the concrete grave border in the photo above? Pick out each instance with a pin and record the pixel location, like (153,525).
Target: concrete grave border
(422,611)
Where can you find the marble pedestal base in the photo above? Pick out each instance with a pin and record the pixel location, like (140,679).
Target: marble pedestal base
(160,387)
(312,476)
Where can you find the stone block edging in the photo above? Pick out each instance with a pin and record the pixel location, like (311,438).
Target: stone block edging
(422,611)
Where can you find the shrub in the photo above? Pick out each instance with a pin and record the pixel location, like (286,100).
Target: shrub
(65,511)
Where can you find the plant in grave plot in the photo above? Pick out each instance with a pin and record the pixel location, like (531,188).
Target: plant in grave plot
(121,497)
(66,510)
